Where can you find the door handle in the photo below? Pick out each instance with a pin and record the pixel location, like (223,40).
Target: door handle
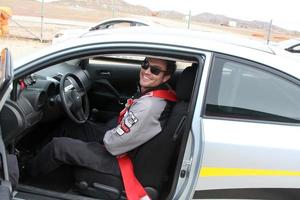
(104,73)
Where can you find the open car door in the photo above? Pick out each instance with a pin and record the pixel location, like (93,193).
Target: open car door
(6,77)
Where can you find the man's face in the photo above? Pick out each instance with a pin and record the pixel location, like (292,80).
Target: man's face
(150,80)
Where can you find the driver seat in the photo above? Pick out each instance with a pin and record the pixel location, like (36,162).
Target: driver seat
(151,160)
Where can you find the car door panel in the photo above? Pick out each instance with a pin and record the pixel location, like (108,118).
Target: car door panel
(245,154)
(112,84)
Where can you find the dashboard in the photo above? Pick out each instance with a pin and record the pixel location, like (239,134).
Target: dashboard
(36,98)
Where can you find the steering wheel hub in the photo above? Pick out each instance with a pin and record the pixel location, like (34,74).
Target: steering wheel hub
(74,101)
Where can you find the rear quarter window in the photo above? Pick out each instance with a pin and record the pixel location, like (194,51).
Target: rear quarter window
(242,91)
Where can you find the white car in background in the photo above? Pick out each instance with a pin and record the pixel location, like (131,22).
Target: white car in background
(65,35)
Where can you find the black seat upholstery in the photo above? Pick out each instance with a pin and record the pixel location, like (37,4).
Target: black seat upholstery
(152,159)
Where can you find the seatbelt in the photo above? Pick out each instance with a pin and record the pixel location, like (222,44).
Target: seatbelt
(169,95)
(133,188)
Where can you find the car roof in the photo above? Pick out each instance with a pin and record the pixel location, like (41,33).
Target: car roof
(200,40)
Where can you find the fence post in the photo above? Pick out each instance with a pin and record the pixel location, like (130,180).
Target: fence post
(42,21)
(189,19)
(269,32)
(113,8)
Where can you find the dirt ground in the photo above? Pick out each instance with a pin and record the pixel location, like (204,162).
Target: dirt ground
(20,47)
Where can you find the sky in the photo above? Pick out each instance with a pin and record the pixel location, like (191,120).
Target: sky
(282,13)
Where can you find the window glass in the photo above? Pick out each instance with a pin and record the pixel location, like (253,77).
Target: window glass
(296,48)
(120,25)
(238,90)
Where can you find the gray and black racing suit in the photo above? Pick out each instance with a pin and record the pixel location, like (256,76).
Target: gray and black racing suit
(140,124)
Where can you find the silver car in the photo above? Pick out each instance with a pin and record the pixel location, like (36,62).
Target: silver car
(121,22)
(237,138)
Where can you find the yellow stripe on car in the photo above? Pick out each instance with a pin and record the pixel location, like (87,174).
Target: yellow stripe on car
(213,171)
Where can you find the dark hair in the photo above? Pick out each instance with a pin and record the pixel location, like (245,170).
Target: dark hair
(171,67)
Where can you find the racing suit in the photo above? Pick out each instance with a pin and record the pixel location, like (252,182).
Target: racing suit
(143,120)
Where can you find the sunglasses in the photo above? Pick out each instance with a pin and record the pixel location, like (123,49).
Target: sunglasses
(153,68)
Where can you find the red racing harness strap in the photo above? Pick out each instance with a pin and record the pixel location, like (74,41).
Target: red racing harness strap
(133,188)
(169,95)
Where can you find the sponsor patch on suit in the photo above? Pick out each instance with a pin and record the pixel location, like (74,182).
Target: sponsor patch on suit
(129,120)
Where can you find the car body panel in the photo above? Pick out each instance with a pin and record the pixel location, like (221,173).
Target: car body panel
(259,152)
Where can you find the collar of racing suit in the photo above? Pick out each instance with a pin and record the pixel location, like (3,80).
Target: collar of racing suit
(163,86)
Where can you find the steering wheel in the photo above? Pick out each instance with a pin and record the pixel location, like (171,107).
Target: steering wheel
(74,98)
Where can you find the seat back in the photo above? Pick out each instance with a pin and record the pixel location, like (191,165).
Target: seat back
(152,159)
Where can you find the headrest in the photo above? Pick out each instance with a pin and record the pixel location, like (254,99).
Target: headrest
(185,83)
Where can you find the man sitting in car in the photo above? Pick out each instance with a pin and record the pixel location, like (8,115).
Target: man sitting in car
(142,119)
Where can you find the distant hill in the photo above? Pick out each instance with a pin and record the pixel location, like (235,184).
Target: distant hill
(211,18)
(113,5)
(171,14)
(224,20)
(122,6)
(101,9)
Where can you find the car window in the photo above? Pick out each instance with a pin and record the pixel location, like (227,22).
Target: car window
(116,25)
(238,90)
(296,48)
